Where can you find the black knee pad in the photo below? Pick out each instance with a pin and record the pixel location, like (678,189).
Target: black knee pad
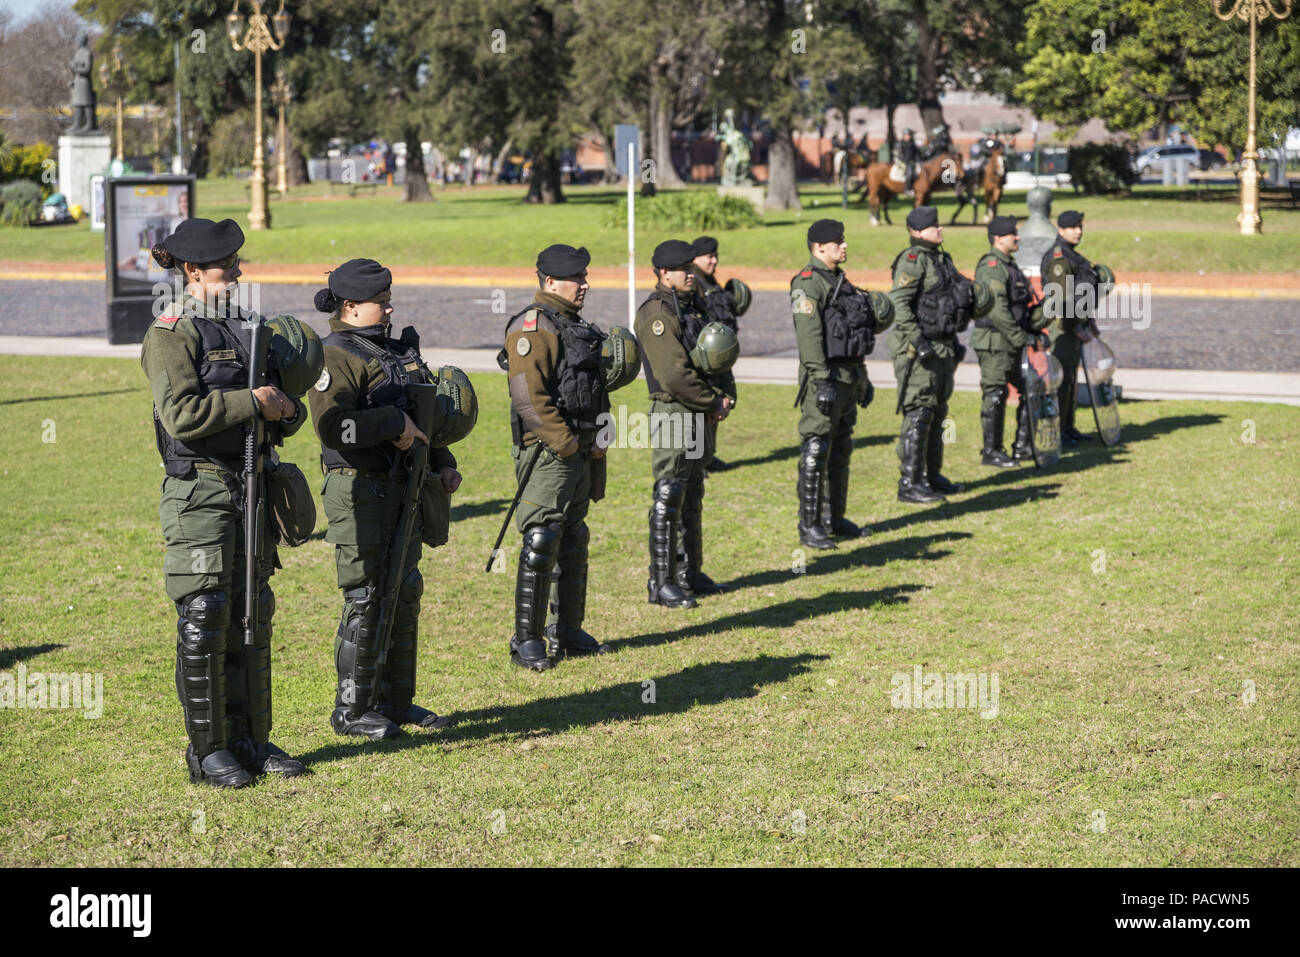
(412,586)
(816,449)
(204,618)
(541,542)
(669,492)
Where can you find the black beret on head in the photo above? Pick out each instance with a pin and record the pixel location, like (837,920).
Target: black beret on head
(199,241)
(356,279)
(561,260)
(1002,226)
(705,245)
(672,254)
(826,231)
(923,217)
(1071,217)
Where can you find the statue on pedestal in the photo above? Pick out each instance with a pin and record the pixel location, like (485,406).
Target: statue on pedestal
(735,164)
(1037,233)
(84,120)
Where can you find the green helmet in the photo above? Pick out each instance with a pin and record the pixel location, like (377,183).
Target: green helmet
(740,295)
(297,353)
(882,306)
(457,407)
(983,299)
(620,358)
(716,350)
(1105,277)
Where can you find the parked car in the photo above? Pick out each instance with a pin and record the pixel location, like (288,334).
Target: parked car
(1155,155)
(1211,159)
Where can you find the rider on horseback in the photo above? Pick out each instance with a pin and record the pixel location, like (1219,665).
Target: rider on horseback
(909,154)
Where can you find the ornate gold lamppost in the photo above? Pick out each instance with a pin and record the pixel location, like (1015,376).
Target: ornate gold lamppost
(258,39)
(1252,11)
(280,96)
(116,80)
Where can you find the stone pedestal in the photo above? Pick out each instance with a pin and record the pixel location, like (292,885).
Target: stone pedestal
(752,194)
(81,157)
(1037,232)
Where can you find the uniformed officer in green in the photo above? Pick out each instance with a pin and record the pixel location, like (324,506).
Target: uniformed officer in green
(715,303)
(835,327)
(557,400)
(196,357)
(359,410)
(1070,292)
(684,400)
(932,303)
(998,339)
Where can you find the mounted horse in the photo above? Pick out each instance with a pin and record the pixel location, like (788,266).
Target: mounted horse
(989,177)
(885,181)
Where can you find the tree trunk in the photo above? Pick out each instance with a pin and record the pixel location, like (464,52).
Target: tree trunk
(661,133)
(198,165)
(890,108)
(297,171)
(544,187)
(782,190)
(611,165)
(416,187)
(499,164)
(928,42)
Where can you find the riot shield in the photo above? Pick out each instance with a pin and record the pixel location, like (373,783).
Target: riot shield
(1042,375)
(1098,363)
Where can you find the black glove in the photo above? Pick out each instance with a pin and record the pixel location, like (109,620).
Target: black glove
(825,393)
(868,394)
(959,351)
(923,348)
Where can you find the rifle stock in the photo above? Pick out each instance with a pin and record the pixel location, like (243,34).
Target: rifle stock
(259,341)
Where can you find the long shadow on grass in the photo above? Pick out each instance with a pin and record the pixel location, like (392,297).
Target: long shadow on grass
(876,553)
(1170,423)
(1084,456)
(784,614)
(792,451)
(680,691)
(986,502)
(78,395)
(11,656)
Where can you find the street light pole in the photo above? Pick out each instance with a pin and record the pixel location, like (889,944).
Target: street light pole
(280,94)
(1252,11)
(258,39)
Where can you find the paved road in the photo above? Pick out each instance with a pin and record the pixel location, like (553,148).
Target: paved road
(1261,335)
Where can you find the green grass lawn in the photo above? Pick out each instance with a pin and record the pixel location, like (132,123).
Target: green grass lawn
(1156,684)
(492,226)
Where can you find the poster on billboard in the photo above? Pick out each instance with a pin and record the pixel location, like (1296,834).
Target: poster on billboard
(141,211)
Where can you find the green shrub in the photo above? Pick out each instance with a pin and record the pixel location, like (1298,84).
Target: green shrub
(690,210)
(1101,168)
(20,203)
(29,163)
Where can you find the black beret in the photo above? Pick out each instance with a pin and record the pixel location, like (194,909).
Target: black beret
(705,245)
(203,241)
(1002,226)
(672,254)
(826,231)
(923,217)
(356,279)
(1071,217)
(560,260)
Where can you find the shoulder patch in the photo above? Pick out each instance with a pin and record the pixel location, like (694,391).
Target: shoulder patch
(522,346)
(1057,254)
(530,324)
(992,261)
(657,327)
(912,256)
(807,273)
(323,382)
(904,280)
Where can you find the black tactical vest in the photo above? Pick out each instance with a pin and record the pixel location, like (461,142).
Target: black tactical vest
(692,323)
(1018,298)
(579,390)
(401,363)
(947,309)
(1085,277)
(223,367)
(718,307)
(848,321)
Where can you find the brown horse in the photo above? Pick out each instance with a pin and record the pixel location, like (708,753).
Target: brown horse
(989,177)
(938,172)
(855,163)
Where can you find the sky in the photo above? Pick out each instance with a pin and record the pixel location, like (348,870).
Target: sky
(22,9)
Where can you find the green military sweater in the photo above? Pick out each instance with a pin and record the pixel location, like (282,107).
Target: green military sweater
(347,380)
(660,334)
(170,359)
(1005,334)
(915,272)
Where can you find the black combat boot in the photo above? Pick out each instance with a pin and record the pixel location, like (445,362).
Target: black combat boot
(250,730)
(201,625)
(397,685)
(1023,449)
(993,419)
(1067,399)
(814,457)
(934,460)
(662,587)
(565,637)
(356,657)
(532,589)
(690,552)
(912,442)
(836,493)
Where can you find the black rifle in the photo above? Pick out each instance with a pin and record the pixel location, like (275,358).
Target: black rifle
(528,471)
(422,407)
(259,342)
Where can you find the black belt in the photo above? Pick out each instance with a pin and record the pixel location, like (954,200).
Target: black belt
(360,473)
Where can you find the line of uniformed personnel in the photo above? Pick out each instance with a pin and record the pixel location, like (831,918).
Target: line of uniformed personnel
(364,388)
